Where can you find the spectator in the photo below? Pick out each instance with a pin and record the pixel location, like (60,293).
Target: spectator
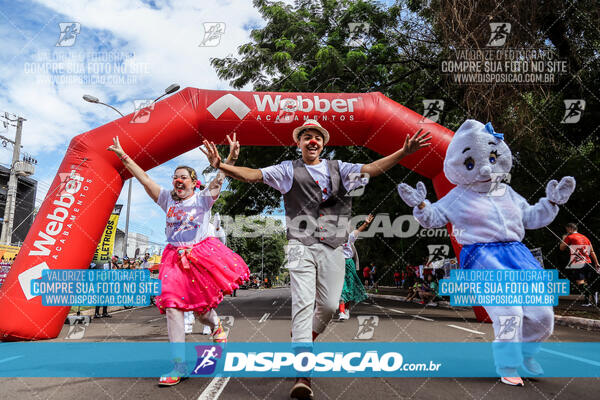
(373,275)
(428,291)
(398,279)
(367,275)
(410,276)
(104,314)
(414,289)
(422,267)
(579,267)
(146,261)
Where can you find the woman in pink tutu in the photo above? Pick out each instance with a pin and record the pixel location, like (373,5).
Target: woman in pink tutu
(196,270)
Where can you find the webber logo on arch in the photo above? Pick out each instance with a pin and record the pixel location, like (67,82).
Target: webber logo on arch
(228,101)
(326,108)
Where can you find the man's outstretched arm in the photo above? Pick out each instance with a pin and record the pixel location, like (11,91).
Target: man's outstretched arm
(411,144)
(243,174)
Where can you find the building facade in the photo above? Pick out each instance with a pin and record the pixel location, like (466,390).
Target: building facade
(24,205)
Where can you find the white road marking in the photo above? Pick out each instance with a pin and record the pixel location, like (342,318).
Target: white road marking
(264,318)
(214,388)
(397,311)
(584,360)
(423,318)
(156,319)
(275,302)
(465,329)
(390,309)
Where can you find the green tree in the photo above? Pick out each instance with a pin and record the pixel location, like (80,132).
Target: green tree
(259,249)
(309,47)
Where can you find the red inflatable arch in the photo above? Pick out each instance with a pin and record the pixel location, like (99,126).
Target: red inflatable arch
(89,180)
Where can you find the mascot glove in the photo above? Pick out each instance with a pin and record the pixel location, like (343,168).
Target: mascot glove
(559,192)
(412,197)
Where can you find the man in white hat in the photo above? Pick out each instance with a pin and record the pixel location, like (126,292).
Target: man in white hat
(315,198)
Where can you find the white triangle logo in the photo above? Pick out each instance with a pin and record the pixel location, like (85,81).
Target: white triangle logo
(228,101)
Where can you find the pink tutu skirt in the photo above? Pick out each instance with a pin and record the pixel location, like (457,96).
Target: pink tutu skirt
(196,278)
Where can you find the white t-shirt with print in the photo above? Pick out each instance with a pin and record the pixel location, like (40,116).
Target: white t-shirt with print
(281,176)
(188,220)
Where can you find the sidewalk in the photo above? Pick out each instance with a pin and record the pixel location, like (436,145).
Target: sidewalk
(569,311)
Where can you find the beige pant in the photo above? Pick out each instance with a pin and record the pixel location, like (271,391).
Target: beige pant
(316,280)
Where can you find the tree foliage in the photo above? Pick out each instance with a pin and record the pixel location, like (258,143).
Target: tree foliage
(310,47)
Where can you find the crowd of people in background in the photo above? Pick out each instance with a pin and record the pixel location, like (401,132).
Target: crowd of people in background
(126,263)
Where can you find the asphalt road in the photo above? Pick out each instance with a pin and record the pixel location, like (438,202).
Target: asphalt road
(263,316)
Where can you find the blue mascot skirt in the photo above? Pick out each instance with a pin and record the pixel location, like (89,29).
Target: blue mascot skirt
(498,256)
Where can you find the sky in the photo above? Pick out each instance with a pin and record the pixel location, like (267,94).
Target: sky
(156,43)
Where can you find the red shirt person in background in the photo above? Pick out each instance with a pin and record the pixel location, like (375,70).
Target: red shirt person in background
(397,279)
(581,260)
(367,275)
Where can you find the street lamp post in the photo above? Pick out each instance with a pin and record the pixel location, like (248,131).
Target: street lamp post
(91,99)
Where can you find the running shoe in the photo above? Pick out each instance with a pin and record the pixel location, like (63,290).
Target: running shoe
(343,316)
(169,380)
(512,381)
(532,366)
(301,389)
(587,305)
(175,376)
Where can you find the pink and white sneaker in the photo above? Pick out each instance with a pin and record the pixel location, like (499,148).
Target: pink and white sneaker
(512,381)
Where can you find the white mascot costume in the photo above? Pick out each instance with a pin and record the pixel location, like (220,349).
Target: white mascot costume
(489,220)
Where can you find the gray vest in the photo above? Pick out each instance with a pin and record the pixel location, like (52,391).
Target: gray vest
(311,220)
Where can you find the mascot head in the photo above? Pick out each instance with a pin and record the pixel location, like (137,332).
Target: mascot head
(477,156)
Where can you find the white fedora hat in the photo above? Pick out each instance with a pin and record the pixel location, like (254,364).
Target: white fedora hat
(311,124)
